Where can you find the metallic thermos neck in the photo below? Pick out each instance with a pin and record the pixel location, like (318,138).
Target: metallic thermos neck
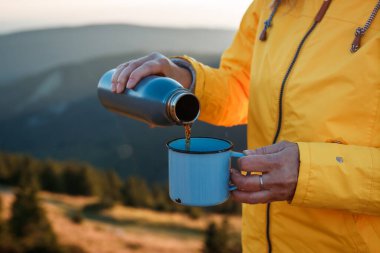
(183,107)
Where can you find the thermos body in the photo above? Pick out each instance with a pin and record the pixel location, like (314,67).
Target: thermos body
(155,100)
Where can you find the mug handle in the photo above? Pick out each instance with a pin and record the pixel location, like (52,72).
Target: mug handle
(237,155)
(232,187)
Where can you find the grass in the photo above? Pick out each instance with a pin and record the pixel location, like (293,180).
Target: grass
(123,229)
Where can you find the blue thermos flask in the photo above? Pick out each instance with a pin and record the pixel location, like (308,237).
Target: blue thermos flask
(155,100)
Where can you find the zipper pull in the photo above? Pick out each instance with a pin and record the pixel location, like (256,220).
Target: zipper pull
(268,22)
(360,31)
(263,34)
(321,13)
(356,43)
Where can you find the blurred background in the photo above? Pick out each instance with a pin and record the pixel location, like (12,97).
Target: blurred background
(75,177)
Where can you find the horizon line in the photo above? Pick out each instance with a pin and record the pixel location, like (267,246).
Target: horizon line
(68,26)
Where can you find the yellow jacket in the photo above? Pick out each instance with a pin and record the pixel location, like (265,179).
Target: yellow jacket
(331,108)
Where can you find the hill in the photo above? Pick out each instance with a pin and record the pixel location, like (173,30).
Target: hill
(55,112)
(27,53)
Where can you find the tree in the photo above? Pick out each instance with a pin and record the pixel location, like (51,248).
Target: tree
(216,239)
(136,193)
(80,180)
(112,187)
(5,173)
(2,226)
(6,245)
(50,177)
(162,201)
(28,223)
(211,244)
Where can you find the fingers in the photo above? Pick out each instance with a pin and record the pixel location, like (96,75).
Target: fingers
(252,197)
(259,163)
(123,77)
(245,183)
(148,68)
(154,63)
(116,74)
(124,74)
(263,159)
(279,165)
(119,68)
(136,63)
(275,148)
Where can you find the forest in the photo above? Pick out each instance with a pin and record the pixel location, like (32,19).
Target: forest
(28,229)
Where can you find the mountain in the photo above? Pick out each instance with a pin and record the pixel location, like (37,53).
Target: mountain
(55,113)
(27,53)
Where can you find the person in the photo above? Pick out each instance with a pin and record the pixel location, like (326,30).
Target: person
(306,80)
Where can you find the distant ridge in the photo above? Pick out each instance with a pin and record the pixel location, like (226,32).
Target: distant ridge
(56,114)
(30,52)
(111,25)
(49,106)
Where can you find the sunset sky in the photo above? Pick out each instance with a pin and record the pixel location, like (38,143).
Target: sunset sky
(18,15)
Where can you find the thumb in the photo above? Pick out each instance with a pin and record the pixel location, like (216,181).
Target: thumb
(271,149)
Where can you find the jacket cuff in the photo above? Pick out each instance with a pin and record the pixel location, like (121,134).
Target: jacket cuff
(303,173)
(181,62)
(338,176)
(197,85)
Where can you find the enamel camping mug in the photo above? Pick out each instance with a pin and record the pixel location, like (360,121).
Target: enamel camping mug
(200,176)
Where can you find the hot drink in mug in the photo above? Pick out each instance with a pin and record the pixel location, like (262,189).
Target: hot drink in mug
(199,175)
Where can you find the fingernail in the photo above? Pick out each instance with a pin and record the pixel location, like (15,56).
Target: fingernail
(113,88)
(130,83)
(119,88)
(249,152)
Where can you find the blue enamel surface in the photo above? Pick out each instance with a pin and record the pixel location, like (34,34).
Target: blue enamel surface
(200,179)
(201,145)
(237,154)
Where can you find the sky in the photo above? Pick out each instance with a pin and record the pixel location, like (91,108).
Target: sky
(20,15)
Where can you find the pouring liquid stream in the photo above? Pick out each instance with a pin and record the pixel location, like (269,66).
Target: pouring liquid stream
(187,136)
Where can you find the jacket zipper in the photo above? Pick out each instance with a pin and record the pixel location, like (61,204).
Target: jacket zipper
(317,19)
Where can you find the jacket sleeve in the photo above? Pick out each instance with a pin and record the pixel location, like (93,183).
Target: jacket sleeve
(339,176)
(224,92)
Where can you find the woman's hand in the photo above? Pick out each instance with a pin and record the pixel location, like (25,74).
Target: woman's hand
(279,165)
(128,74)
